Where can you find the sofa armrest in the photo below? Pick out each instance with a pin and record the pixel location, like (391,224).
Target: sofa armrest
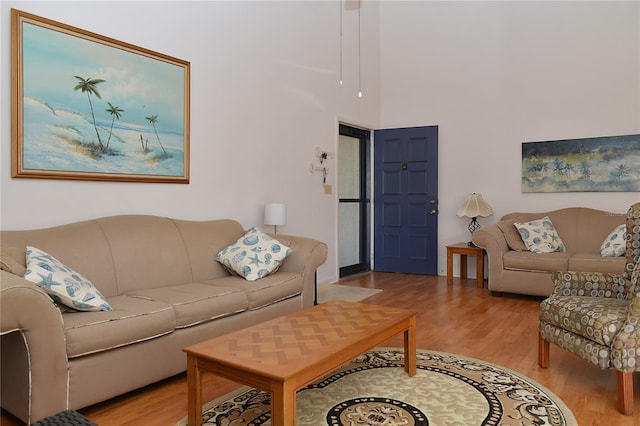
(307,254)
(493,241)
(31,327)
(589,284)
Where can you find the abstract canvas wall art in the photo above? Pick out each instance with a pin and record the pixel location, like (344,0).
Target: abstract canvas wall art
(599,164)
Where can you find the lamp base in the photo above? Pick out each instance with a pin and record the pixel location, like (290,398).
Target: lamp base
(473,225)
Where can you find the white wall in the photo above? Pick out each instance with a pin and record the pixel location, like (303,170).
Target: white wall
(264,94)
(492,75)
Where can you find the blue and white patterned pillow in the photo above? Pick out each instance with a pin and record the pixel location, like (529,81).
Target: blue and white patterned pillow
(540,236)
(62,283)
(254,255)
(616,242)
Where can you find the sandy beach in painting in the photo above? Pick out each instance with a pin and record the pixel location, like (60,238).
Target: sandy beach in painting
(56,140)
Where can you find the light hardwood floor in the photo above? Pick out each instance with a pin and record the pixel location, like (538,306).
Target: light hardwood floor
(460,319)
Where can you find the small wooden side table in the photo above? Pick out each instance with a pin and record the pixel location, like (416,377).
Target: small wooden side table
(463,249)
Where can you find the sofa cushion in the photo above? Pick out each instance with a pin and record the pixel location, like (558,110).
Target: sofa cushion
(197,302)
(12,260)
(62,283)
(616,242)
(131,320)
(254,255)
(593,262)
(511,234)
(146,252)
(203,240)
(568,313)
(528,261)
(267,290)
(540,236)
(81,245)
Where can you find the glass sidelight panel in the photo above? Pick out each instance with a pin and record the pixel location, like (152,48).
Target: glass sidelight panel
(349,195)
(349,168)
(349,228)
(352,214)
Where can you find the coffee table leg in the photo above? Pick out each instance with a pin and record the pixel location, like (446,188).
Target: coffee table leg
(283,405)
(194,392)
(410,348)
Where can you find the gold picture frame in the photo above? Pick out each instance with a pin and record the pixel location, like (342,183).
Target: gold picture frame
(88,107)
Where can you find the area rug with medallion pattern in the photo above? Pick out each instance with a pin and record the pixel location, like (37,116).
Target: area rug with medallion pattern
(448,390)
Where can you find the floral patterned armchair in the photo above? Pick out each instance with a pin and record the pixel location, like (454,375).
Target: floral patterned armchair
(597,317)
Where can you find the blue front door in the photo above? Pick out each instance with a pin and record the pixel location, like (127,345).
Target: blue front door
(406,200)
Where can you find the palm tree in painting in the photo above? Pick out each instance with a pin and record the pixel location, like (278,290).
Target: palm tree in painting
(585,169)
(618,174)
(145,145)
(88,86)
(115,112)
(153,119)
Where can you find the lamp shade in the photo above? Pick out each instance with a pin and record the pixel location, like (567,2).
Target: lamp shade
(475,206)
(275,214)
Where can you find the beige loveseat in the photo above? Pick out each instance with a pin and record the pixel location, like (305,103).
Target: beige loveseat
(166,290)
(513,269)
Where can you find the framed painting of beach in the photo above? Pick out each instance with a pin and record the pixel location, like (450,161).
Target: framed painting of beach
(88,107)
(600,164)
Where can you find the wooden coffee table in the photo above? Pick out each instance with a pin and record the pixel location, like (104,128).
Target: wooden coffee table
(285,354)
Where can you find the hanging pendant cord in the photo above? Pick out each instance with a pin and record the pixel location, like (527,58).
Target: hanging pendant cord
(340,4)
(359,50)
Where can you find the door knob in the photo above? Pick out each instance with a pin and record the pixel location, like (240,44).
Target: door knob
(433,212)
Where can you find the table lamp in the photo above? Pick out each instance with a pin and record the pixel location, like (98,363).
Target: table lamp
(473,207)
(275,214)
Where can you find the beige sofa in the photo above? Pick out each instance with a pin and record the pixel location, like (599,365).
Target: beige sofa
(582,231)
(165,288)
